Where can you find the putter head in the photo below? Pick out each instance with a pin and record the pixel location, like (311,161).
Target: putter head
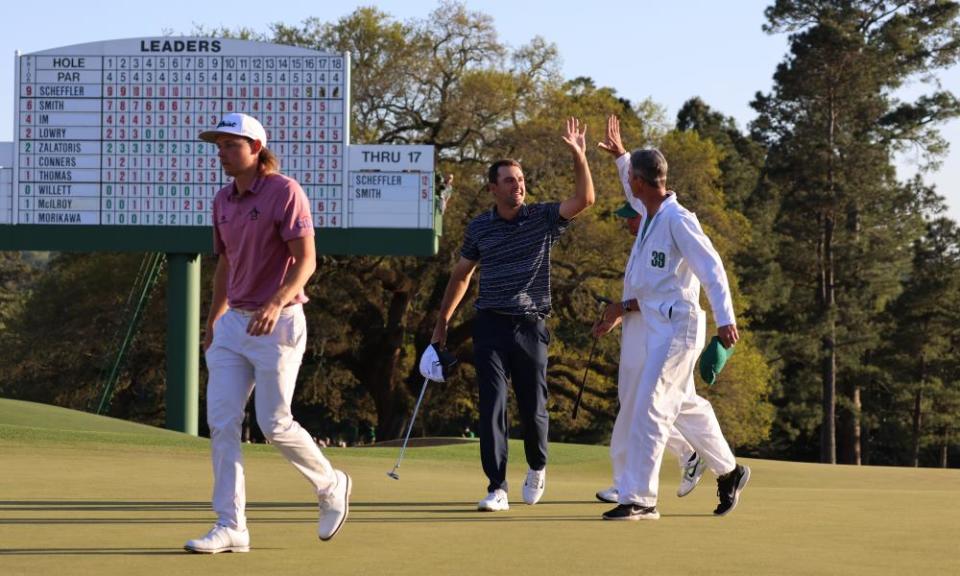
(601,299)
(393,474)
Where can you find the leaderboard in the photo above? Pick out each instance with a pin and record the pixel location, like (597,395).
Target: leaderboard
(106,132)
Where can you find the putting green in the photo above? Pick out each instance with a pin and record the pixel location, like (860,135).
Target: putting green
(80,494)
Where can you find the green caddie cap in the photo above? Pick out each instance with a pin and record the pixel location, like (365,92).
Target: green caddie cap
(626,211)
(713,359)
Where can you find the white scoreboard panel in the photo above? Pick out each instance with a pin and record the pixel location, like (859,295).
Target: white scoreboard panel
(390,186)
(106,133)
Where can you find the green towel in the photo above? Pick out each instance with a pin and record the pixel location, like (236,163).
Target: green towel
(626,211)
(713,359)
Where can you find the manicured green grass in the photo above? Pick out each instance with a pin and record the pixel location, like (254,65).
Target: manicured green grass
(86,495)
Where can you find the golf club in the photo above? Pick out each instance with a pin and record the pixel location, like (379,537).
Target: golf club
(393,473)
(593,348)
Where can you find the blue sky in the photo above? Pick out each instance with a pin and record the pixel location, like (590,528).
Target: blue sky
(667,51)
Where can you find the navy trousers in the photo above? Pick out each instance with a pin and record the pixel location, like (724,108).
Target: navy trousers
(511,348)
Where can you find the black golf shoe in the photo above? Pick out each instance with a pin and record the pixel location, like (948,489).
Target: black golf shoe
(729,487)
(632,512)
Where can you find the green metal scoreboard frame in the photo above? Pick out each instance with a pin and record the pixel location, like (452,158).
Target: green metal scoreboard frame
(106,154)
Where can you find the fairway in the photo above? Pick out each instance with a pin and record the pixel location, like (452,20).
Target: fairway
(80,494)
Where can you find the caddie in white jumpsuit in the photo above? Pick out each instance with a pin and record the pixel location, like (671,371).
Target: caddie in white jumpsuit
(670,258)
(691,465)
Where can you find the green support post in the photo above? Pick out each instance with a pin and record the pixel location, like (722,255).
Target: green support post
(183,342)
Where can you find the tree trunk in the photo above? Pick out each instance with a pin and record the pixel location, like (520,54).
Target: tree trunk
(856,432)
(848,428)
(849,425)
(828,431)
(382,375)
(917,425)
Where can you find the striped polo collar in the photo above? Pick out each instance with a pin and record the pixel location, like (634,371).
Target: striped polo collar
(521,215)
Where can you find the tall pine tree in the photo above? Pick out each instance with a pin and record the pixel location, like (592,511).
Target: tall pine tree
(832,125)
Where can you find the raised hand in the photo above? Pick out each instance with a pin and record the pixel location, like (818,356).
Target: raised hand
(613,144)
(576,136)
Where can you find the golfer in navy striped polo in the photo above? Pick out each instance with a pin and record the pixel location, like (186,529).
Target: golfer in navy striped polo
(511,244)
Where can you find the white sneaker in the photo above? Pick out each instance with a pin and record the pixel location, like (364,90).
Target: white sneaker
(334,507)
(495,501)
(220,539)
(533,486)
(691,474)
(609,495)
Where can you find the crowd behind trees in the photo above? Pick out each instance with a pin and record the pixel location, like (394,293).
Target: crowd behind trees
(846,278)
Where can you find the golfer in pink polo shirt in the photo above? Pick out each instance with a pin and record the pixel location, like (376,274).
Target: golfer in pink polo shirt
(256,332)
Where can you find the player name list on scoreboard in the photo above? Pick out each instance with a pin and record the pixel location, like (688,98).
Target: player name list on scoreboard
(107,132)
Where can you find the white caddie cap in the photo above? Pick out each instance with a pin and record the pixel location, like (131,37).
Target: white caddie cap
(238,125)
(436,364)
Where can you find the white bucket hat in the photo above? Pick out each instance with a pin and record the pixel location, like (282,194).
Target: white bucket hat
(238,125)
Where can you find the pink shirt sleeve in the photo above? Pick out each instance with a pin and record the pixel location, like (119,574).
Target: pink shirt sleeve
(218,246)
(295,221)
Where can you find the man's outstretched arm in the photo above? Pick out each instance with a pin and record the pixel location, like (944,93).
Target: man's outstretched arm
(456,288)
(576,138)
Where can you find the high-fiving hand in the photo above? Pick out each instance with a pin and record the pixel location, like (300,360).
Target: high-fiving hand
(576,136)
(613,144)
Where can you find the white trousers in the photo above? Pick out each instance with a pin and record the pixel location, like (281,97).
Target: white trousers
(236,362)
(630,369)
(657,394)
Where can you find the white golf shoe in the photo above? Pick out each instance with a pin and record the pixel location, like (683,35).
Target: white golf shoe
(495,501)
(691,474)
(220,539)
(609,495)
(334,507)
(533,486)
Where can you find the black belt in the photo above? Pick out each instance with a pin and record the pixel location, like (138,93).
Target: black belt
(532,316)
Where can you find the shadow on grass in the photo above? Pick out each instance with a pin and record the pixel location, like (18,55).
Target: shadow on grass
(89,552)
(364,512)
(143,506)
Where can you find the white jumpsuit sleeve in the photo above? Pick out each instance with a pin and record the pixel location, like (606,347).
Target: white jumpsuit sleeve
(705,262)
(623,167)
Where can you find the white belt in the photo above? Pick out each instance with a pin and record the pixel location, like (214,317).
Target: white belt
(287,311)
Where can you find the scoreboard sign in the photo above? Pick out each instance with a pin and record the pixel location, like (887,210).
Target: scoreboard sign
(391,186)
(106,154)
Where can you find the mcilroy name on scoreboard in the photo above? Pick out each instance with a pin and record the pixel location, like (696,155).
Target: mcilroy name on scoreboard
(106,134)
